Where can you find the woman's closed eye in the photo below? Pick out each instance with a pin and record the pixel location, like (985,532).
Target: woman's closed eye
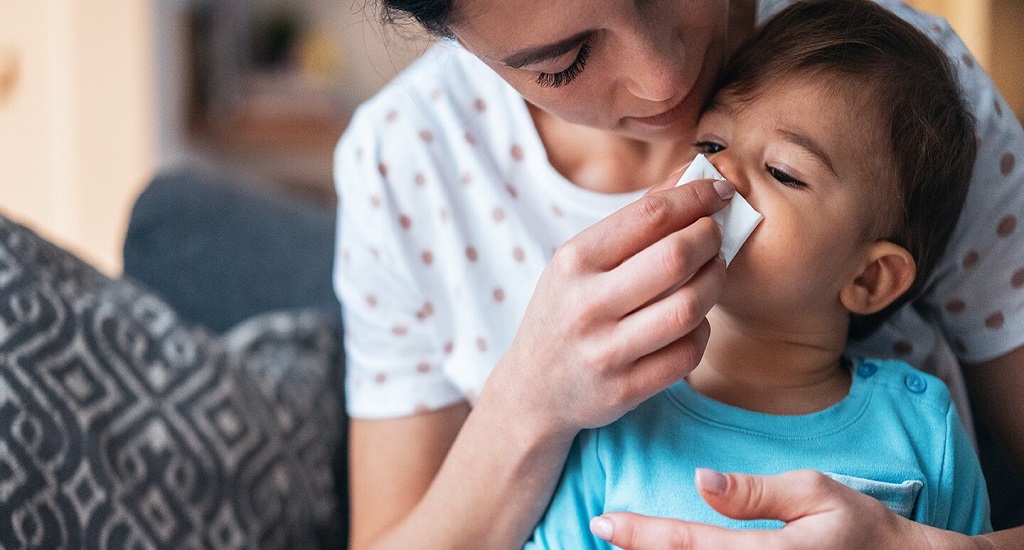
(561,78)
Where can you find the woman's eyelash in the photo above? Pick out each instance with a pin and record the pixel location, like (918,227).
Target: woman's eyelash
(555,80)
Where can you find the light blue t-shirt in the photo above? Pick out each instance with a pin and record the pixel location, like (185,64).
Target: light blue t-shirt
(896,437)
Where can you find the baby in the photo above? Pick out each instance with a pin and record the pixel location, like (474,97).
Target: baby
(844,126)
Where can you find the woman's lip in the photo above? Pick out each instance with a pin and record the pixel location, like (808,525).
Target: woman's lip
(663,119)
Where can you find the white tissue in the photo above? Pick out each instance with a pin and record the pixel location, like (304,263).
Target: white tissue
(737,220)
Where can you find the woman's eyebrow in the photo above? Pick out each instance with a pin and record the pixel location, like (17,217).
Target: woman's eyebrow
(549,51)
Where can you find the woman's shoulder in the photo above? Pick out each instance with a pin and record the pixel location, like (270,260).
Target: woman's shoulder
(446,87)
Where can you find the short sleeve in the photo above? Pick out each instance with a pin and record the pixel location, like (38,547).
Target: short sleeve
(977,291)
(393,351)
(962,505)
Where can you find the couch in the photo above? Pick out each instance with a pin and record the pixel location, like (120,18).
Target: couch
(195,401)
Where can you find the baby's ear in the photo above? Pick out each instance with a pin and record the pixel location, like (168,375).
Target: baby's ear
(887,272)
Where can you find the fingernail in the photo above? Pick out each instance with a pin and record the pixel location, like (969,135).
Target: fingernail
(724,189)
(711,481)
(602,527)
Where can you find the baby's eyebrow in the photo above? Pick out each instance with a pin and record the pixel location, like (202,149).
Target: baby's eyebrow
(806,142)
(545,52)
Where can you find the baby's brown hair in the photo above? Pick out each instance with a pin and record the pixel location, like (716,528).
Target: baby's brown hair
(931,132)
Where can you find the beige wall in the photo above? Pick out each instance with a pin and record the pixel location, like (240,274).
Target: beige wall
(77,126)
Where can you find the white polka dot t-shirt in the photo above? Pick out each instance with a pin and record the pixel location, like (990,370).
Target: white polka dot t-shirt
(449,211)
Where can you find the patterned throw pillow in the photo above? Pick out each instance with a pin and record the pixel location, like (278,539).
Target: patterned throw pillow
(120,426)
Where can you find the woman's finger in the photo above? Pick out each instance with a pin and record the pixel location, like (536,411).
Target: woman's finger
(635,532)
(786,497)
(665,320)
(644,222)
(661,267)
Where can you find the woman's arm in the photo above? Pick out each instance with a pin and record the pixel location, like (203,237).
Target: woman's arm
(994,387)
(608,326)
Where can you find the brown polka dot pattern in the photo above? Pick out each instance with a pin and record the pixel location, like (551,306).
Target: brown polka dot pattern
(481,344)
(449,346)
(427,136)
(498,214)
(1007,163)
(427,257)
(471,254)
(380,378)
(499,295)
(902,348)
(426,311)
(437,94)
(383,169)
(517,153)
(557,211)
(971,259)
(419,179)
(960,346)
(512,191)
(480,105)
(392,115)
(1006,225)
(995,321)
(423,367)
(956,306)
(466,179)
(1017,281)
(470,138)
(375,201)
(399,330)
(998,107)
(518,254)
(371,300)
(405,221)
(444,214)
(968,61)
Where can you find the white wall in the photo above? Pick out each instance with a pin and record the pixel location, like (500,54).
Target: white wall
(77,129)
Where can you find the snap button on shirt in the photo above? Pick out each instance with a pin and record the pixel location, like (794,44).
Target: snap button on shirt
(915,383)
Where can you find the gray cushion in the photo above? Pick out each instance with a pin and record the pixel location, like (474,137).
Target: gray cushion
(220,251)
(122,426)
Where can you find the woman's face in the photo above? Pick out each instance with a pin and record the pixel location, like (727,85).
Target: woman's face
(640,68)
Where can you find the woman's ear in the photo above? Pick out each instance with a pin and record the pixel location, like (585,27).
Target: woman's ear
(887,272)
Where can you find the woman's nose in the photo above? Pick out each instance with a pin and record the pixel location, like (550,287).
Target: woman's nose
(654,70)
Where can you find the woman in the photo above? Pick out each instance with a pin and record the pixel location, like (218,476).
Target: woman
(501,254)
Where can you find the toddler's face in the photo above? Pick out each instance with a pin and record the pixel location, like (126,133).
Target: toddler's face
(813,160)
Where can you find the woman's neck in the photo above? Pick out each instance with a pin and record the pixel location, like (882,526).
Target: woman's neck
(765,368)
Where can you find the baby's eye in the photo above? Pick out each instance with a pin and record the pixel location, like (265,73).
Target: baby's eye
(785,179)
(709,147)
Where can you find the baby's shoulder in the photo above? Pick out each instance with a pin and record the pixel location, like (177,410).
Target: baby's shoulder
(899,381)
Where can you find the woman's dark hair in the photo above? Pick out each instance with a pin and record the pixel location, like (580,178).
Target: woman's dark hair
(435,16)
(858,44)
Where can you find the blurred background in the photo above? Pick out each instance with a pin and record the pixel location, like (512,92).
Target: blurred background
(97,96)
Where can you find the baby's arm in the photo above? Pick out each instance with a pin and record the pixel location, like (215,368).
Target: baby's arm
(962,502)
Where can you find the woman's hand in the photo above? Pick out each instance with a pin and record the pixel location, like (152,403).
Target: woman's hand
(619,313)
(819,513)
